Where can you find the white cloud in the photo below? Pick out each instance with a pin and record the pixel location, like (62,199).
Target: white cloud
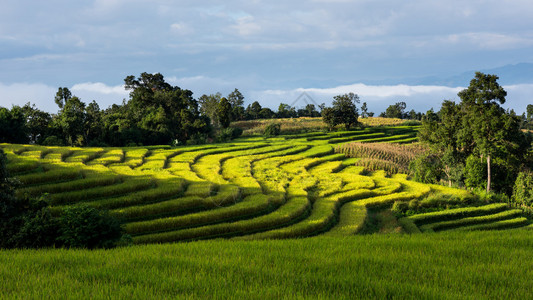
(491,40)
(99,88)
(246,26)
(20,93)
(378,97)
(42,95)
(181,28)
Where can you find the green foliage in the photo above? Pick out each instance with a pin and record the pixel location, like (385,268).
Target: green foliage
(224,112)
(477,126)
(228,134)
(24,223)
(523,188)
(236,100)
(209,106)
(343,111)
(426,169)
(12,125)
(71,119)
(273,129)
(38,123)
(400,207)
(286,111)
(395,111)
(87,227)
(475,172)
(253,111)
(329,117)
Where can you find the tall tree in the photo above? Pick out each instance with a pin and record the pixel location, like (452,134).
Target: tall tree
(224,112)
(13,125)
(252,111)
(37,123)
(209,106)
(345,109)
(529,117)
(163,113)
(62,96)
(286,111)
(93,122)
(236,100)
(484,116)
(395,111)
(364,110)
(72,120)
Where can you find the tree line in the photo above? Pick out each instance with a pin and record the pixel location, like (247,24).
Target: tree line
(159,113)
(478,144)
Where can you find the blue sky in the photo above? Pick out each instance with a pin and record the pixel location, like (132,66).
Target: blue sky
(385,51)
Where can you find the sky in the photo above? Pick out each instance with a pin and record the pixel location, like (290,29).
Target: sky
(385,51)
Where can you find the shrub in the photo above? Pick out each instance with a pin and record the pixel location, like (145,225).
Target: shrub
(273,129)
(228,134)
(400,207)
(87,227)
(39,230)
(426,169)
(53,141)
(475,172)
(523,188)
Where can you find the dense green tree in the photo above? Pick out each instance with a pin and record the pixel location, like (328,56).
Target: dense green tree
(38,123)
(252,111)
(94,126)
(492,129)
(87,227)
(266,113)
(236,100)
(224,112)
(396,110)
(23,223)
(286,111)
(162,113)
(477,128)
(364,110)
(62,96)
(308,111)
(209,106)
(71,119)
(529,117)
(345,110)
(523,189)
(13,125)
(329,117)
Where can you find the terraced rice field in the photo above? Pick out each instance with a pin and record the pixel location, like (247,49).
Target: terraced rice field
(253,188)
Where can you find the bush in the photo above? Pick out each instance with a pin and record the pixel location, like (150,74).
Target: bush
(273,129)
(53,141)
(87,227)
(400,207)
(426,169)
(39,230)
(475,172)
(198,139)
(523,189)
(228,134)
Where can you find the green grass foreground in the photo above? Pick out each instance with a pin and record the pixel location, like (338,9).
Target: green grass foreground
(466,265)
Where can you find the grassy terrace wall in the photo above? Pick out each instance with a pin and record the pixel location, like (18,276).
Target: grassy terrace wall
(252,188)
